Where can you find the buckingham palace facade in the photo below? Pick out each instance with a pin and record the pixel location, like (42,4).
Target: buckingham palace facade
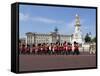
(35,38)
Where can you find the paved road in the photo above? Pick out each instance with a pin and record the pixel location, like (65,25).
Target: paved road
(43,62)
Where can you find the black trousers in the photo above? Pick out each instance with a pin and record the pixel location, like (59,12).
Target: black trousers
(76,52)
(69,52)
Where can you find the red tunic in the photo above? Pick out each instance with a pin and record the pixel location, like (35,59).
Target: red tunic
(46,48)
(65,47)
(39,49)
(76,48)
(33,49)
(23,49)
(69,48)
(60,49)
(28,49)
(55,48)
(52,48)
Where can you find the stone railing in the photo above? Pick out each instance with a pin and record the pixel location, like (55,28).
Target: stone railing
(89,47)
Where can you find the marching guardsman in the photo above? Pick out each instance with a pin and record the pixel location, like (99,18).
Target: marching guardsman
(61,49)
(76,48)
(44,48)
(65,48)
(69,48)
(33,49)
(36,49)
(28,49)
(23,49)
(47,46)
(50,49)
(39,49)
(55,48)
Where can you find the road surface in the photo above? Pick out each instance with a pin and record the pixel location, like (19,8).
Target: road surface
(48,62)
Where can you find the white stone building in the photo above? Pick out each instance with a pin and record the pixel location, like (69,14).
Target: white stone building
(35,38)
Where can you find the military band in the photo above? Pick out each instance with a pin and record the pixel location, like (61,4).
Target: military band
(50,49)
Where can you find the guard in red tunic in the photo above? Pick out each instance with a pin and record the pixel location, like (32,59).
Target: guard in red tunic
(61,49)
(43,49)
(69,49)
(50,49)
(33,49)
(55,49)
(65,48)
(46,49)
(39,49)
(28,49)
(76,48)
(58,49)
(47,46)
(23,49)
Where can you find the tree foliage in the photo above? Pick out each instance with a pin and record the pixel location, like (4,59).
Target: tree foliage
(87,38)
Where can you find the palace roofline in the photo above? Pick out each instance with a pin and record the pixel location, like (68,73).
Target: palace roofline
(48,34)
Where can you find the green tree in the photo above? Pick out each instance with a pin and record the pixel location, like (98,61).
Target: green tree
(87,38)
